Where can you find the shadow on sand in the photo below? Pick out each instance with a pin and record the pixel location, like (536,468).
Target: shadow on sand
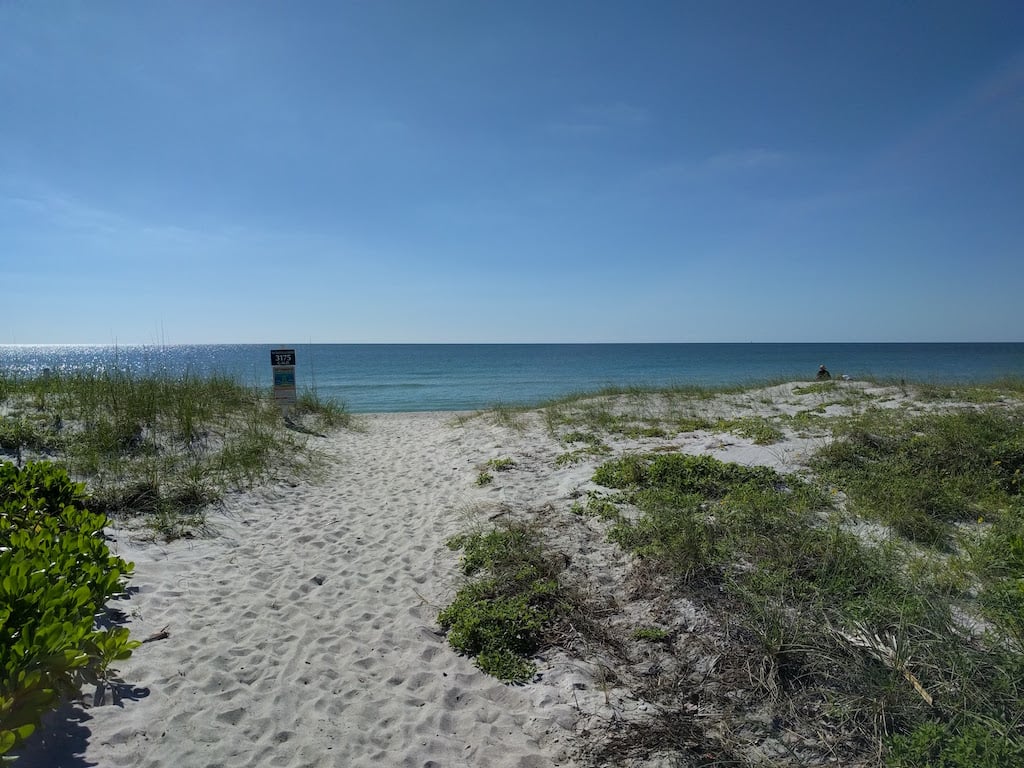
(62,739)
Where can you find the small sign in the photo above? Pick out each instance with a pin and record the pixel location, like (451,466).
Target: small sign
(284,377)
(282,357)
(282,362)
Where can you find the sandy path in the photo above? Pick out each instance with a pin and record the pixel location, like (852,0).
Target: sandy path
(304,632)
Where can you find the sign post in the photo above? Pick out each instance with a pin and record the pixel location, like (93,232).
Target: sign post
(282,361)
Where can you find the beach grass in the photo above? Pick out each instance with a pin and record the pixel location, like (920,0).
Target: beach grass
(872,604)
(924,474)
(158,447)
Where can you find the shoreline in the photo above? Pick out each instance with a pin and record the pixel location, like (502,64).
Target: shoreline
(426,378)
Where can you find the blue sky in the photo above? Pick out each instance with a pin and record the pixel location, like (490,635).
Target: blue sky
(470,171)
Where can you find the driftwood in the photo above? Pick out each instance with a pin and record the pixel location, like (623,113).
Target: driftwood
(163,634)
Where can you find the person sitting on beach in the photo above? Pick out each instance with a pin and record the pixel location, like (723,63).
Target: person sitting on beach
(823,374)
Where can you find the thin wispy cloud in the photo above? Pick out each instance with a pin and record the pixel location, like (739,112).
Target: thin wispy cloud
(718,168)
(752,159)
(62,212)
(598,119)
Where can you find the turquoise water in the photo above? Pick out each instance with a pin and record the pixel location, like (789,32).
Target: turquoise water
(426,377)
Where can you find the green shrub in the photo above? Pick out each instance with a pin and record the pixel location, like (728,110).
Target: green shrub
(24,433)
(57,575)
(598,506)
(482,620)
(680,537)
(699,512)
(621,473)
(999,552)
(499,616)
(492,550)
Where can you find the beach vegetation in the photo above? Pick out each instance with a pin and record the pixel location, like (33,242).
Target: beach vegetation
(501,465)
(590,440)
(975,394)
(651,634)
(925,474)
(757,428)
(910,642)
(592,445)
(817,388)
(598,505)
(1003,389)
(512,417)
(867,609)
(809,421)
(484,476)
(640,413)
(508,416)
(165,448)
(511,595)
(700,512)
(57,575)
(935,744)
(570,458)
(28,432)
(688,422)
(623,411)
(325,413)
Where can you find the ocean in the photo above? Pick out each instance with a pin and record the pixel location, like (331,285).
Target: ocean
(369,378)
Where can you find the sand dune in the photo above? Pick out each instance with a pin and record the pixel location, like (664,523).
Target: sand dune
(302,631)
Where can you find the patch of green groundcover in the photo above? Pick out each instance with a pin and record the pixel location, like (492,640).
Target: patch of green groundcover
(56,574)
(945,745)
(757,428)
(923,474)
(511,596)
(997,557)
(948,480)
(834,624)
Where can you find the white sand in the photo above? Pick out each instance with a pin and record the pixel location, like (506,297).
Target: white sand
(303,632)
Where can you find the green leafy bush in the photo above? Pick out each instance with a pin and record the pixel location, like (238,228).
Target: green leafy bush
(483,621)
(500,616)
(57,575)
